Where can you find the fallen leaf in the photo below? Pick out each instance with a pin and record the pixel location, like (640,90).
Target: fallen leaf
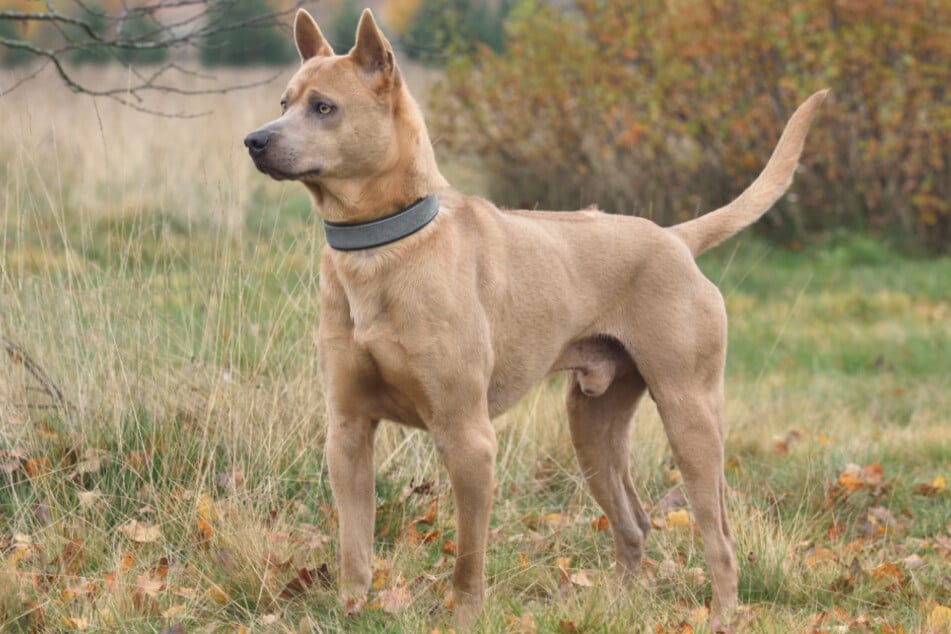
(76,623)
(141,532)
(449,547)
(887,572)
(940,618)
(912,562)
(380,576)
(580,578)
(36,467)
(600,523)
(396,599)
(679,518)
(216,594)
(566,626)
(934,488)
(205,531)
(173,611)
(673,500)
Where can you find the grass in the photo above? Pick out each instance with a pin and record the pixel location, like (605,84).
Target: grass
(170,292)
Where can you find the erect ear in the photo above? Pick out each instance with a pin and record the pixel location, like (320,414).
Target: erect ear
(372,52)
(310,41)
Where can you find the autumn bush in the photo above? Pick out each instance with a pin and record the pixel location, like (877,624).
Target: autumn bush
(671,108)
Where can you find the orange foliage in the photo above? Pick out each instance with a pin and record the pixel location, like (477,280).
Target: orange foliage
(668,108)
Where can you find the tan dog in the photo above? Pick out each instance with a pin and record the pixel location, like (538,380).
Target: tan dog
(448,327)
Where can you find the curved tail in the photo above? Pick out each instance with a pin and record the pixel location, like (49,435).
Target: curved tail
(713,228)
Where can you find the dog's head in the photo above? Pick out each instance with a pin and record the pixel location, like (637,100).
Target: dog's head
(338,110)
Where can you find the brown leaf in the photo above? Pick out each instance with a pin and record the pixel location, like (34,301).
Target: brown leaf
(35,467)
(204,531)
(600,523)
(217,595)
(141,532)
(932,489)
(887,572)
(566,626)
(449,547)
(380,576)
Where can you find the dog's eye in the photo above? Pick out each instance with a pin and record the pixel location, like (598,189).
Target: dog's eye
(283,105)
(324,108)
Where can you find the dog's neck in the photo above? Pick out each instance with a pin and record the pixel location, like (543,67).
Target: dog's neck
(412,175)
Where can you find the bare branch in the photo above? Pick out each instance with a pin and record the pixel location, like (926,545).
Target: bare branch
(169,25)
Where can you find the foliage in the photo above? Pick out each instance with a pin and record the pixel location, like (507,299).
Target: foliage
(432,29)
(671,108)
(343,29)
(137,29)
(246,45)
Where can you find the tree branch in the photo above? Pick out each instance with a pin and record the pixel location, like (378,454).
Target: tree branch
(175,27)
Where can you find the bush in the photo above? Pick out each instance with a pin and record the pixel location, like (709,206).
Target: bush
(671,108)
(437,29)
(247,45)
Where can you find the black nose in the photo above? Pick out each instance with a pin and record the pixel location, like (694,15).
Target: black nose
(257,141)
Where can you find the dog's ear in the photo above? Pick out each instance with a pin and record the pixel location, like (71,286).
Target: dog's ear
(372,52)
(310,41)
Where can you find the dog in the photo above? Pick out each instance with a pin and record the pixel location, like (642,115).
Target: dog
(439,311)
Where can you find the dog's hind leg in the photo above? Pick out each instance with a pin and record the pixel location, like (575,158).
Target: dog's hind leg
(350,462)
(694,427)
(600,434)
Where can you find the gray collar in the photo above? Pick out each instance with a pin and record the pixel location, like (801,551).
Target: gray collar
(366,235)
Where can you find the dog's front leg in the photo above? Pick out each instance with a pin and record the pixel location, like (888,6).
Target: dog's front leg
(467,447)
(350,460)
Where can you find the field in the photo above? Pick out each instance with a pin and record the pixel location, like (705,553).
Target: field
(161,421)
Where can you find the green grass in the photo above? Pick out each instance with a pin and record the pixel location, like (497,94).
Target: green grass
(177,319)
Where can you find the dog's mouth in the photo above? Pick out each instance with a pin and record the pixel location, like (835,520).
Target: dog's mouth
(281,175)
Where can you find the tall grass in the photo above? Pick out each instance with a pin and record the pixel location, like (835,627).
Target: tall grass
(170,292)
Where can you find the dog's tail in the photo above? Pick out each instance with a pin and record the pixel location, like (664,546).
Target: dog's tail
(713,228)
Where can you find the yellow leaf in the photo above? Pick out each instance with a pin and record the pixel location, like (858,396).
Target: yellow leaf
(206,508)
(554,518)
(216,594)
(563,562)
(851,482)
(678,518)
(940,618)
(939,484)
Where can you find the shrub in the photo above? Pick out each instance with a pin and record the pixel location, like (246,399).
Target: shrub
(670,108)
(245,45)
(435,29)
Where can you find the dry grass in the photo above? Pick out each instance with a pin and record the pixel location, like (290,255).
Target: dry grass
(170,292)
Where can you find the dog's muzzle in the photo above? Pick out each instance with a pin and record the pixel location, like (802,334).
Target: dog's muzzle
(257,141)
